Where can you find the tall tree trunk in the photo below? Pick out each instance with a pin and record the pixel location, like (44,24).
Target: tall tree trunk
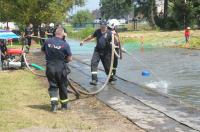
(165,9)
(152,12)
(6,25)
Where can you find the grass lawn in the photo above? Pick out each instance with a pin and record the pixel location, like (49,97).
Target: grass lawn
(24,103)
(19,91)
(24,107)
(163,38)
(151,38)
(18,45)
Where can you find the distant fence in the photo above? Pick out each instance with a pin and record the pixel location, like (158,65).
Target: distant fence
(132,25)
(84,25)
(97,25)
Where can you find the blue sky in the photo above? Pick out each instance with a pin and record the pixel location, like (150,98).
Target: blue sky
(90,4)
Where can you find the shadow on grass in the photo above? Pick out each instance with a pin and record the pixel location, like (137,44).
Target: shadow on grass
(80,98)
(45,107)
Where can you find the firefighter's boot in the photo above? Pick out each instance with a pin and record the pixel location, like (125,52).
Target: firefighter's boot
(54,106)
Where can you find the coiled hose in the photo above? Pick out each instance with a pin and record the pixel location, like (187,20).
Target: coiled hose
(77,90)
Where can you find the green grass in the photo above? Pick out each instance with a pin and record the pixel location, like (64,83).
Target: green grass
(18,45)
(24,103)
(163,38)
(195,42)
(151,38)
(19,90)
(81,34)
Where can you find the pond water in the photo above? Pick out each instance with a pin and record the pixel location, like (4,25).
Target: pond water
(173,71)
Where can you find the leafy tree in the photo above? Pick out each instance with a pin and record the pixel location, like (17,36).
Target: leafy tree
(148,8)
(177,13)
(35,11)
(82,17)
(5,13)
(185,13)
(79,2)
(196,11)
(115,8)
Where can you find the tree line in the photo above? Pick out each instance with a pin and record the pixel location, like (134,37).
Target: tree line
(35,11)
(176,14)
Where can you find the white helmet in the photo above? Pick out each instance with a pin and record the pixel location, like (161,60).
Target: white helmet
(42,25)
(51,24)
(31,25)
(113,23)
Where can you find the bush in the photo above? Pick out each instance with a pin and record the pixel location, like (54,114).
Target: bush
(81,34)
(170,23)
(195,42)
(143,26)
(82,17)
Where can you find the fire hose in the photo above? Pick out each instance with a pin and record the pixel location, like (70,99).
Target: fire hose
(77,90)
(37,74)
(111,67)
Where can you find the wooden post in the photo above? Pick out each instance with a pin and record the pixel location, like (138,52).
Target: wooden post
(142,43)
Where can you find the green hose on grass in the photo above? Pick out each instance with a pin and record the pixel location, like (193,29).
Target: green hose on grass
(37,66)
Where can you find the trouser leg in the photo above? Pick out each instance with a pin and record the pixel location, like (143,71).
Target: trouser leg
(115,67)
(53,86)
(94,65)
(42,41)
(106,61)
(63,94)
(115,64)
(113,75)
(63,83)
(29,41)
(61,77)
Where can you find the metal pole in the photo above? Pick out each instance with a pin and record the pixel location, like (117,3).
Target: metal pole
(115,8)
(185,16)
(0,61)
(133,19)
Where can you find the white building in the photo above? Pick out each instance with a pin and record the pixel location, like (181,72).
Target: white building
(11,25)
(160,6)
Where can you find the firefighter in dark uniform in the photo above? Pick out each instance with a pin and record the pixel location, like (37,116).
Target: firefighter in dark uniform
(3,49)
(112,27)
(42,31)
(50,30)
(65,31)
(57,53)
(102,50)
(28,35)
